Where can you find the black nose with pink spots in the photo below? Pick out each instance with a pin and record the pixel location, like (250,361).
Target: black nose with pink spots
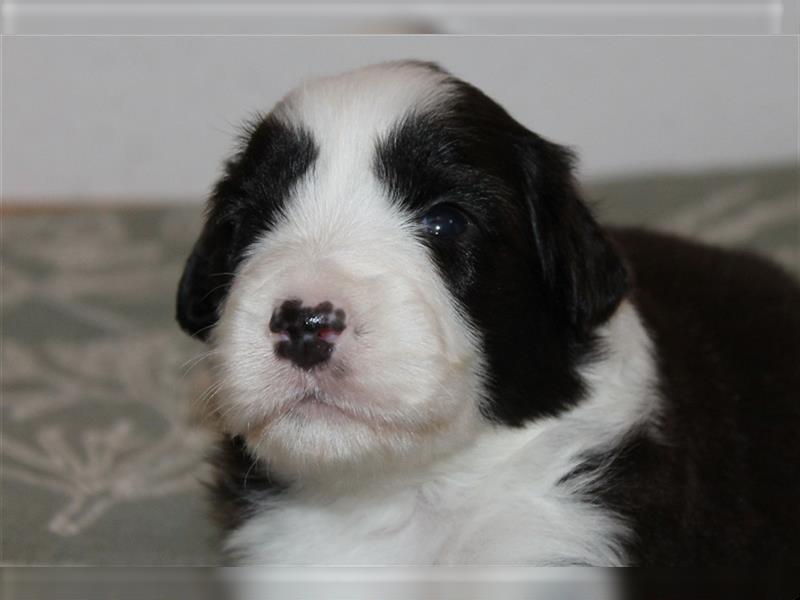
(306,335)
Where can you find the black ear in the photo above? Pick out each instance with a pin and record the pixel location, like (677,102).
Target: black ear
(583,275)
(206,278)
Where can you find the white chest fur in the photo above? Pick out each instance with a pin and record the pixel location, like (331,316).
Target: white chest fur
(509,514)
(503,500)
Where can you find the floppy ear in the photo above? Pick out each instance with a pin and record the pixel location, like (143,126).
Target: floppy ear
(584,276)
(206,278)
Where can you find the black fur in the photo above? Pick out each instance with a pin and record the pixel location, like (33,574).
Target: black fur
(720,486)
(534,272)
(243,205)
(242,485)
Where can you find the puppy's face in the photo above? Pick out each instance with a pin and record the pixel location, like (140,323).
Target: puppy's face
(390,263)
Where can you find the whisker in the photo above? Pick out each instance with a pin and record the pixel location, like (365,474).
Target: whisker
(201,403)
(195,360)
(206,328)
(227,284)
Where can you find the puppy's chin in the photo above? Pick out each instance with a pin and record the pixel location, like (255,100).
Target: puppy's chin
(346,418)
(313,436)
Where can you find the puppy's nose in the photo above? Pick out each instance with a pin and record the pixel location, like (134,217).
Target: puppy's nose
(306,335)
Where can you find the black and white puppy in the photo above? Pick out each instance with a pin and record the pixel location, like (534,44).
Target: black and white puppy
(428,351)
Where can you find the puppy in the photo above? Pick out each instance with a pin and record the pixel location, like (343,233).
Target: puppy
(429,352)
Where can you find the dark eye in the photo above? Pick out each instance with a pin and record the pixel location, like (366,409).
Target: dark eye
(445,221)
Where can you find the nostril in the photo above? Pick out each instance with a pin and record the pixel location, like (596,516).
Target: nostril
(306,335)
(286,316)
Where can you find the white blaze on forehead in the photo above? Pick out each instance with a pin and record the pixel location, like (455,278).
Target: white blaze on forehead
(354,108)
(339,201)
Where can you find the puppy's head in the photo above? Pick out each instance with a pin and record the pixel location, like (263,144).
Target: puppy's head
(390,263)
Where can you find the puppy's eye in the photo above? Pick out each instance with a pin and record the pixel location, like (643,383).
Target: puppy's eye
(444,221)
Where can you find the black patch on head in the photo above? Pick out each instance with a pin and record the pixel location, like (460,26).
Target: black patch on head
(244,203)
(534,271)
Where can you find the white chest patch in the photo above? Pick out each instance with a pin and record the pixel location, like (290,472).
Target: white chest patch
(501,500)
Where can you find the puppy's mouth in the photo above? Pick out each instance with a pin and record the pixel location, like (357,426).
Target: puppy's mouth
(315,402)
(316,406)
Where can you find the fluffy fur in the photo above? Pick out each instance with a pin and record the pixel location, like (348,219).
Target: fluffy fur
(524,390)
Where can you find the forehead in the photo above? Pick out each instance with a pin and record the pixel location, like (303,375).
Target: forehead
(348,117)
(356,109)
(408,133)
(410,128)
